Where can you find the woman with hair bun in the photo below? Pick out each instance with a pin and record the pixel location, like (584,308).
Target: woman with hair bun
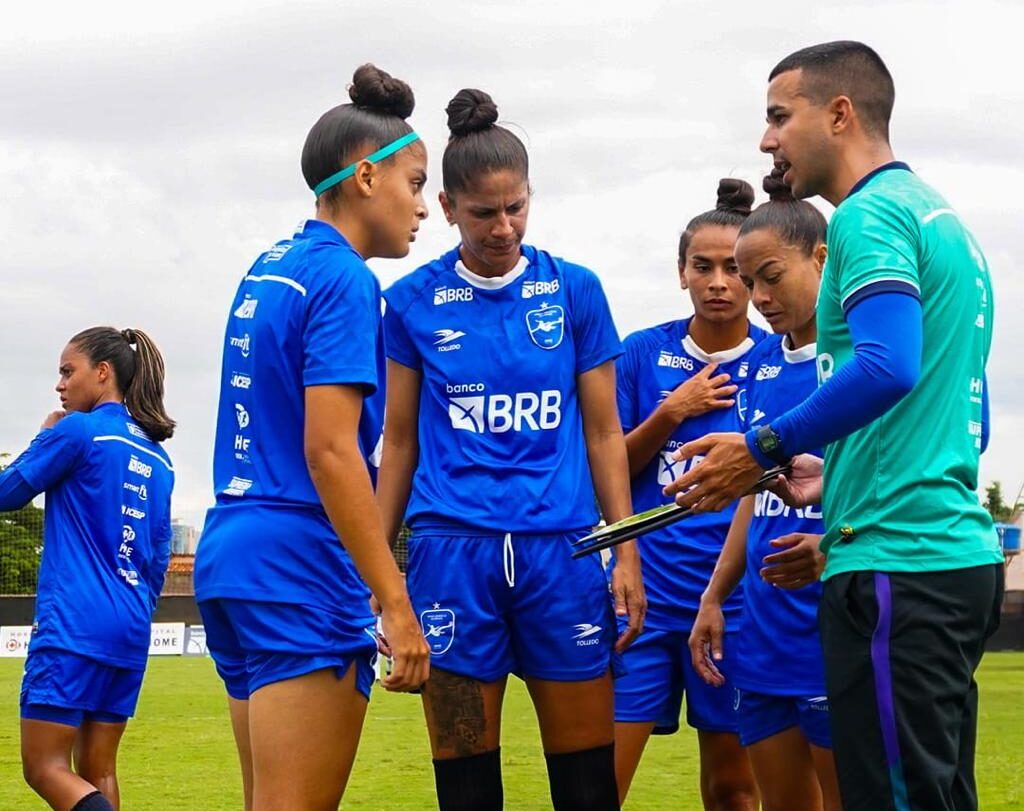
(676,382)
(107,539)
(501,427)
(295,532)
(777,665)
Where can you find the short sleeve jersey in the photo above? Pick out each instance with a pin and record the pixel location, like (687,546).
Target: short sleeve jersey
(106,534)
(306,314)
(501,446)
(900,493)
(778,650)
(679,559)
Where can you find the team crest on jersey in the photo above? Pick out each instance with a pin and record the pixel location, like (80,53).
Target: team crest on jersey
(546,325)
(438,628)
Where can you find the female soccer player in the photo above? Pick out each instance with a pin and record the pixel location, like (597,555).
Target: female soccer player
(107,539)
(286,613)
(501,427)
(678,381)
(777,663)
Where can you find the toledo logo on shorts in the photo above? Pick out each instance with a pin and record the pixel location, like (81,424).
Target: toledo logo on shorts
(438,628)
(586,634)
(546,325)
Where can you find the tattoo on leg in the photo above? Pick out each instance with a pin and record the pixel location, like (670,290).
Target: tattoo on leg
(457,709)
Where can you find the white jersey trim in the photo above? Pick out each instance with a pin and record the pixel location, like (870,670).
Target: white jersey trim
(135,445)
(491,282)
(801,355)
(267,277)
(726,355)
(927,218)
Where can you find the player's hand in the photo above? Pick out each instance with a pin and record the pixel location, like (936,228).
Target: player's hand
(799,564)
(402,638)
(700,394)
(726,472)
(802,486)
(52,419)
(628,592)
(706,642)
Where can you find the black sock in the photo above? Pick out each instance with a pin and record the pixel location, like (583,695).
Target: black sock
(471,783)
(584,781)
(93,802)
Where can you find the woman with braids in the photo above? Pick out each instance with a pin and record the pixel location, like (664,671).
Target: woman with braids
(501,427)
(777,664)
(106,542)
(678,381)
(295,535)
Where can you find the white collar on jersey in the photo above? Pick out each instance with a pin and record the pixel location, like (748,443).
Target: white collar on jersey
(491,282)
(804,353)
(726,355)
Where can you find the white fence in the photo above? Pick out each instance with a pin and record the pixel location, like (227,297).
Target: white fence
(166,639)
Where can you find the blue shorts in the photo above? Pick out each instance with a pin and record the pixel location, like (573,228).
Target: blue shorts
(761,716)
(490,606)
(660,673)
(65,688)
(254,644)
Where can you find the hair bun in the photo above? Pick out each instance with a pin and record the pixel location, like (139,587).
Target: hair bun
(734,195)
(776,188)
(377,90)
(470,111)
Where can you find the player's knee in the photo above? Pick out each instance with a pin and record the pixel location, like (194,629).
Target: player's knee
(471,783)
(731,794)
(584,781)
(40,773)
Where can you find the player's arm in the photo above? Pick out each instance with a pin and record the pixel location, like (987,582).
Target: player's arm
(709,626)
(887,331)
(703,392)
(51,457)
(401,446)
(157,572)
(338,470)
(606,452)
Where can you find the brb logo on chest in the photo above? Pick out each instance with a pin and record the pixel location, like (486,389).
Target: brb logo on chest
(531,289)
(446,295)
(481,413)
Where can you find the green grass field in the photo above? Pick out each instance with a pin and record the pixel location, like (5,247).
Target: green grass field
(178,752)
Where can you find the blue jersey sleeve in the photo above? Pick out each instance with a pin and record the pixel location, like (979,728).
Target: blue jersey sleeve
(887,334)
(398,344)
(625,387)
(341,330)
(15,492)
(593,329)
(161,556)
(54,454)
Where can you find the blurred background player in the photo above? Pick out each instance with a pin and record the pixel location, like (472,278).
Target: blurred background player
(501,427)
(107,540)
(913,576)
(776,664)
(676,382)
(283,601)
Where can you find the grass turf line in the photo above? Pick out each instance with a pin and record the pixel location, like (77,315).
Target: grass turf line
(178,752)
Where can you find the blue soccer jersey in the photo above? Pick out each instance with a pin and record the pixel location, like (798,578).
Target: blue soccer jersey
(779,651)
(678,560)
(106,534)
(306,314)
(500,431)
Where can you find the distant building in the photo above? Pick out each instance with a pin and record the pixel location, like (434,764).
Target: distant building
(183,538)
(179,575)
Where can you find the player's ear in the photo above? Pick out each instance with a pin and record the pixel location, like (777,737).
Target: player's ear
(365,177)
(820,255)
(447,206)
(682,275)
(841,113)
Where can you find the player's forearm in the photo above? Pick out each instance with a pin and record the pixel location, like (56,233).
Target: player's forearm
(15,492)
(343,483)
(394,483)
(732,561)
(645,441)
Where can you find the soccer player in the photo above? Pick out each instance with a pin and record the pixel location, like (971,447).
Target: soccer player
(777,665)
(676,382)
(913,575)
(106,540)
(501,428)
(283,600)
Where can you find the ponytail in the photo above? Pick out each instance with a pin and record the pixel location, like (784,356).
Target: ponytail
(139,373)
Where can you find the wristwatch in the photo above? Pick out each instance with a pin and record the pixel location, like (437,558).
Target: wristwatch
(770,444)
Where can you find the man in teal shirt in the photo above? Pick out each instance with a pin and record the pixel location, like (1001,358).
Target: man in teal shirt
(913,578)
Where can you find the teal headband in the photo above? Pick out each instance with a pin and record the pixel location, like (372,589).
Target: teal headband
(384,152)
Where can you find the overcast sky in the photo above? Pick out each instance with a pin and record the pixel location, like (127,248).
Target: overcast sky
(147,156)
